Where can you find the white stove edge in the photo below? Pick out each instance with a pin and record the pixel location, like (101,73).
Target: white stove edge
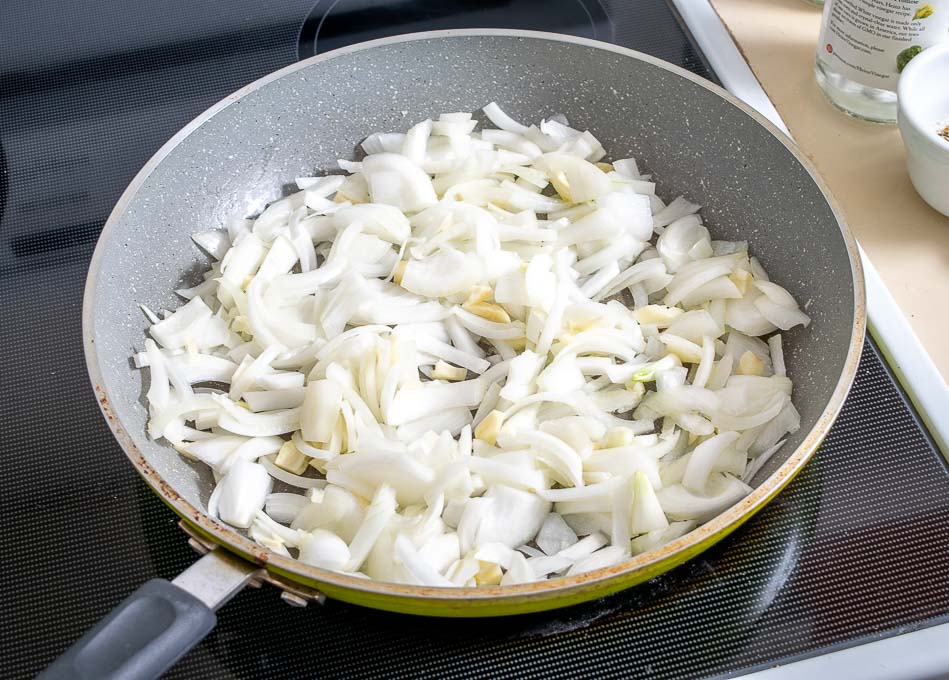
(922,653)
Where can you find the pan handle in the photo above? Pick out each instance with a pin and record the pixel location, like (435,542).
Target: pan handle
(156,625)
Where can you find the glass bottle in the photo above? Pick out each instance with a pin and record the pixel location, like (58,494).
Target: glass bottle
(863,46)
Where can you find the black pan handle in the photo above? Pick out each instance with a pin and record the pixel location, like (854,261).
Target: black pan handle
(156,625)
(141,638)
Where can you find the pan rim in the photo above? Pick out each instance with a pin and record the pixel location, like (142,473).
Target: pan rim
(589,581)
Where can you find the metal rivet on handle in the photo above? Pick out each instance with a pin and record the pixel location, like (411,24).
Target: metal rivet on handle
(198,546)
(292,599)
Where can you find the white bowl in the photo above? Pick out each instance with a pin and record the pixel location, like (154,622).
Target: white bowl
(922,111)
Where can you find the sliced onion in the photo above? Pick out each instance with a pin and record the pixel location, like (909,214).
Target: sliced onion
(449,344)
(282,475)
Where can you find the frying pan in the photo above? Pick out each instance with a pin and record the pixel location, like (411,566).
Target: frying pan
(694,137)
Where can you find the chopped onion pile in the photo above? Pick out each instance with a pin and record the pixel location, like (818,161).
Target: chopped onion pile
(477,358)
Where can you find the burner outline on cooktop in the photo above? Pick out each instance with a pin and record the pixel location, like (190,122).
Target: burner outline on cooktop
(600,24)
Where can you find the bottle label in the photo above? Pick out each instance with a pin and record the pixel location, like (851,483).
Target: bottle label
(870,41)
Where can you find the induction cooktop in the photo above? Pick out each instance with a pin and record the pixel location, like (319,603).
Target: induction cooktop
(857,547)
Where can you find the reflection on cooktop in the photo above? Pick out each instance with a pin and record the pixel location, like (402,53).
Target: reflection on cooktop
(346,22)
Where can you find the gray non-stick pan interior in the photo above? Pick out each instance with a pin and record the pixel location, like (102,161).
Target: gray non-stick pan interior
(693,141)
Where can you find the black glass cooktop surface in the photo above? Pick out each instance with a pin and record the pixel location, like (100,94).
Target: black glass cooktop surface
(857,547)
(344,22)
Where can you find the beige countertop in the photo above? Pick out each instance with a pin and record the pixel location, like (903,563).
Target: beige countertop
(863,164)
